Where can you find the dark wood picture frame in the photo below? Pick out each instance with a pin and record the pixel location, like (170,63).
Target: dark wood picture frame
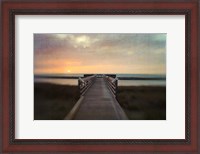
(7,67)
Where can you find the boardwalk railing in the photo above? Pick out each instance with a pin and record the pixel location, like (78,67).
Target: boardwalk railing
(85,83)
(112,84)
(102,88)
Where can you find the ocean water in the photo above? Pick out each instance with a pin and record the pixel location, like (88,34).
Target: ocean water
(59,75)
(65,81)
(141,83)
(57,81)
(142,75)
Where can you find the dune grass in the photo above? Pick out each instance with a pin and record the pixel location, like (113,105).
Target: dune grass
(53,102)
(143,102)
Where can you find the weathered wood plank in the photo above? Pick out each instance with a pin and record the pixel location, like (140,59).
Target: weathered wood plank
(99,104)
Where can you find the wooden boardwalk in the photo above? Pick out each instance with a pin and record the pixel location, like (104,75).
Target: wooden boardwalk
(98,103)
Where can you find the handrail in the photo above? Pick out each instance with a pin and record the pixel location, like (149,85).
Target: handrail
(112,84)
(85,83)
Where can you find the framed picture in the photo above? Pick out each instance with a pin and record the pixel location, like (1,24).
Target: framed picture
(100,76)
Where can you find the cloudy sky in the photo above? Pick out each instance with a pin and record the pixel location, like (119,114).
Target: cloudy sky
(100,53)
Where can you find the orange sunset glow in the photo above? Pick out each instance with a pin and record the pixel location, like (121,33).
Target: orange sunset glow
(99,53)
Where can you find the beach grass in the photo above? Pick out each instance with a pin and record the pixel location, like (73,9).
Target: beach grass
(143,102)
(52,101)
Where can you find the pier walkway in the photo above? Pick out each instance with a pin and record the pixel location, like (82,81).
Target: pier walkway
(97,101)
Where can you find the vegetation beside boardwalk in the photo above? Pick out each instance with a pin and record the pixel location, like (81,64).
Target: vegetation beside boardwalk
(143,102)
(53,102)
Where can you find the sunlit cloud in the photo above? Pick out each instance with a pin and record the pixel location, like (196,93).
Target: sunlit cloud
(100,53)
(61,36)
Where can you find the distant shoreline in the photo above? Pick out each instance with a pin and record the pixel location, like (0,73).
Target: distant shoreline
(120,78)
(57,77)
(139,78)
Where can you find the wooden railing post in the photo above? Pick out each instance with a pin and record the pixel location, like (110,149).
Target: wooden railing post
(85,83)
(116,85)
(79,85)
(112,84)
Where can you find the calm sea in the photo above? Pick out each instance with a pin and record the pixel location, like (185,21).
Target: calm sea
(147,82)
